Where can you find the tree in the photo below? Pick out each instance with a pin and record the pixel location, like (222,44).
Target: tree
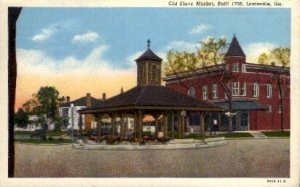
(263,58)
(207,58)
(21,118)
(281,57)
(48,100)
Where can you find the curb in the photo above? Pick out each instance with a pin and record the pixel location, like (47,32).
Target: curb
(152,147)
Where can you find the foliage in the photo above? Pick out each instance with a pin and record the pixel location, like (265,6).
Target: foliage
(21,118)
(48,100)
(236,135)
(279,56)
(210,53)
(40,141)
(277,133)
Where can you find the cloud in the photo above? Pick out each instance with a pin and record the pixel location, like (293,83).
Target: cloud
(44,35)
(253,50)
(85,38)
(199,29)
(70,75)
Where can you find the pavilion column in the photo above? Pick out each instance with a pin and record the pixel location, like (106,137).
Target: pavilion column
(113,123)
(135,117)
(166,124)
(156,124)
(179,129)
(140,123)
(99,124)
(122,124)
(172,124)
(80,122)
(202,123)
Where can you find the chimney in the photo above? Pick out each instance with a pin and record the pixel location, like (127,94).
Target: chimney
(103,96)
(88,100)
(68,99)
(122,91)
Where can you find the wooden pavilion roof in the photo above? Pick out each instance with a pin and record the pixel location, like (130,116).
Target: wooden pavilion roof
(156,97)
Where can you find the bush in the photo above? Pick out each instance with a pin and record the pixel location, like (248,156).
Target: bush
(50,139)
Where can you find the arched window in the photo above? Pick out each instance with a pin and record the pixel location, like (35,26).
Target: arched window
(153,72)
(192,92)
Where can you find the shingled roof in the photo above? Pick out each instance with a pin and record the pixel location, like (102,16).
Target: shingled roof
(148,55)
(235,49)
(82,102)
(155,96)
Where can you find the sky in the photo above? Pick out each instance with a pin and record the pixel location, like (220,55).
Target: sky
(92,50)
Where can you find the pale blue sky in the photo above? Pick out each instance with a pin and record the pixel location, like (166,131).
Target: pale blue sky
(124,31)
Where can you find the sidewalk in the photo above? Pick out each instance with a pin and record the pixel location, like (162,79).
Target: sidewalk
(257,134)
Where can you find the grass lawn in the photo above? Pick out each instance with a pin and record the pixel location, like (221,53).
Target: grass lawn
(49,133)
(277,133)
(236,135)
(40,141)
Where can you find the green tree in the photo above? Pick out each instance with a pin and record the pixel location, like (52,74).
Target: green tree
(21,118)
(210,54)
(264,59)
(48,101)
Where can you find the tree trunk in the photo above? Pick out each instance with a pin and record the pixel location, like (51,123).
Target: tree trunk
(13,14)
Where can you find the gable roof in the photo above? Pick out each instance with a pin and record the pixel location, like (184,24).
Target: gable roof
(148,55)
(154,96)
(235,49)
(82,102)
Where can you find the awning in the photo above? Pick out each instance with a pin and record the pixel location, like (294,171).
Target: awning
(242,105)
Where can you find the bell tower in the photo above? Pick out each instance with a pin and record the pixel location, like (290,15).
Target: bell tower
(148,67)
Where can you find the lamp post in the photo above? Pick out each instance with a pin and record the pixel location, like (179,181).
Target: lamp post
(72,121)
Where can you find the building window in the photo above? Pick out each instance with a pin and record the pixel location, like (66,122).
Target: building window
(214,91)
(235,88)
(235,67)
(269,108)
(269,91)
(204,92)
(255,89)
(153,73)
(244,89)
(192,92)
(244,68)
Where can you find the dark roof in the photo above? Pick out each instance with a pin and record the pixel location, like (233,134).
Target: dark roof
(82,102)
(235,49)
(154,96)
(242,105)
(148,55)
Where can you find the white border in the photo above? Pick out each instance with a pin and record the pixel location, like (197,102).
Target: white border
(295,104)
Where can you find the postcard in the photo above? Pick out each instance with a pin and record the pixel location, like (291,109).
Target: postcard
(169,93)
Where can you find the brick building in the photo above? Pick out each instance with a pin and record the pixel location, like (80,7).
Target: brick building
(255,92)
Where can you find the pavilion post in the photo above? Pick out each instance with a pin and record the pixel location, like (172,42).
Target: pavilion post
(179,129)
(172,124)
(202,124)
(166,124)
(140,123)
(122,124)
(156,124)
(135,117)
(80,123)
(113,123)
(99,124)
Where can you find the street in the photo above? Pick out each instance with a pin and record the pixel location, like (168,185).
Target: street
(239,158)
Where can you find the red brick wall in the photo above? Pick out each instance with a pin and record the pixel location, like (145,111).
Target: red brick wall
(259,120)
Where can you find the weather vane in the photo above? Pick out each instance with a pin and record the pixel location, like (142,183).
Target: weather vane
(148,43)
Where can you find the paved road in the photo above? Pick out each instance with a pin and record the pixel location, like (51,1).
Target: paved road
(240,158)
